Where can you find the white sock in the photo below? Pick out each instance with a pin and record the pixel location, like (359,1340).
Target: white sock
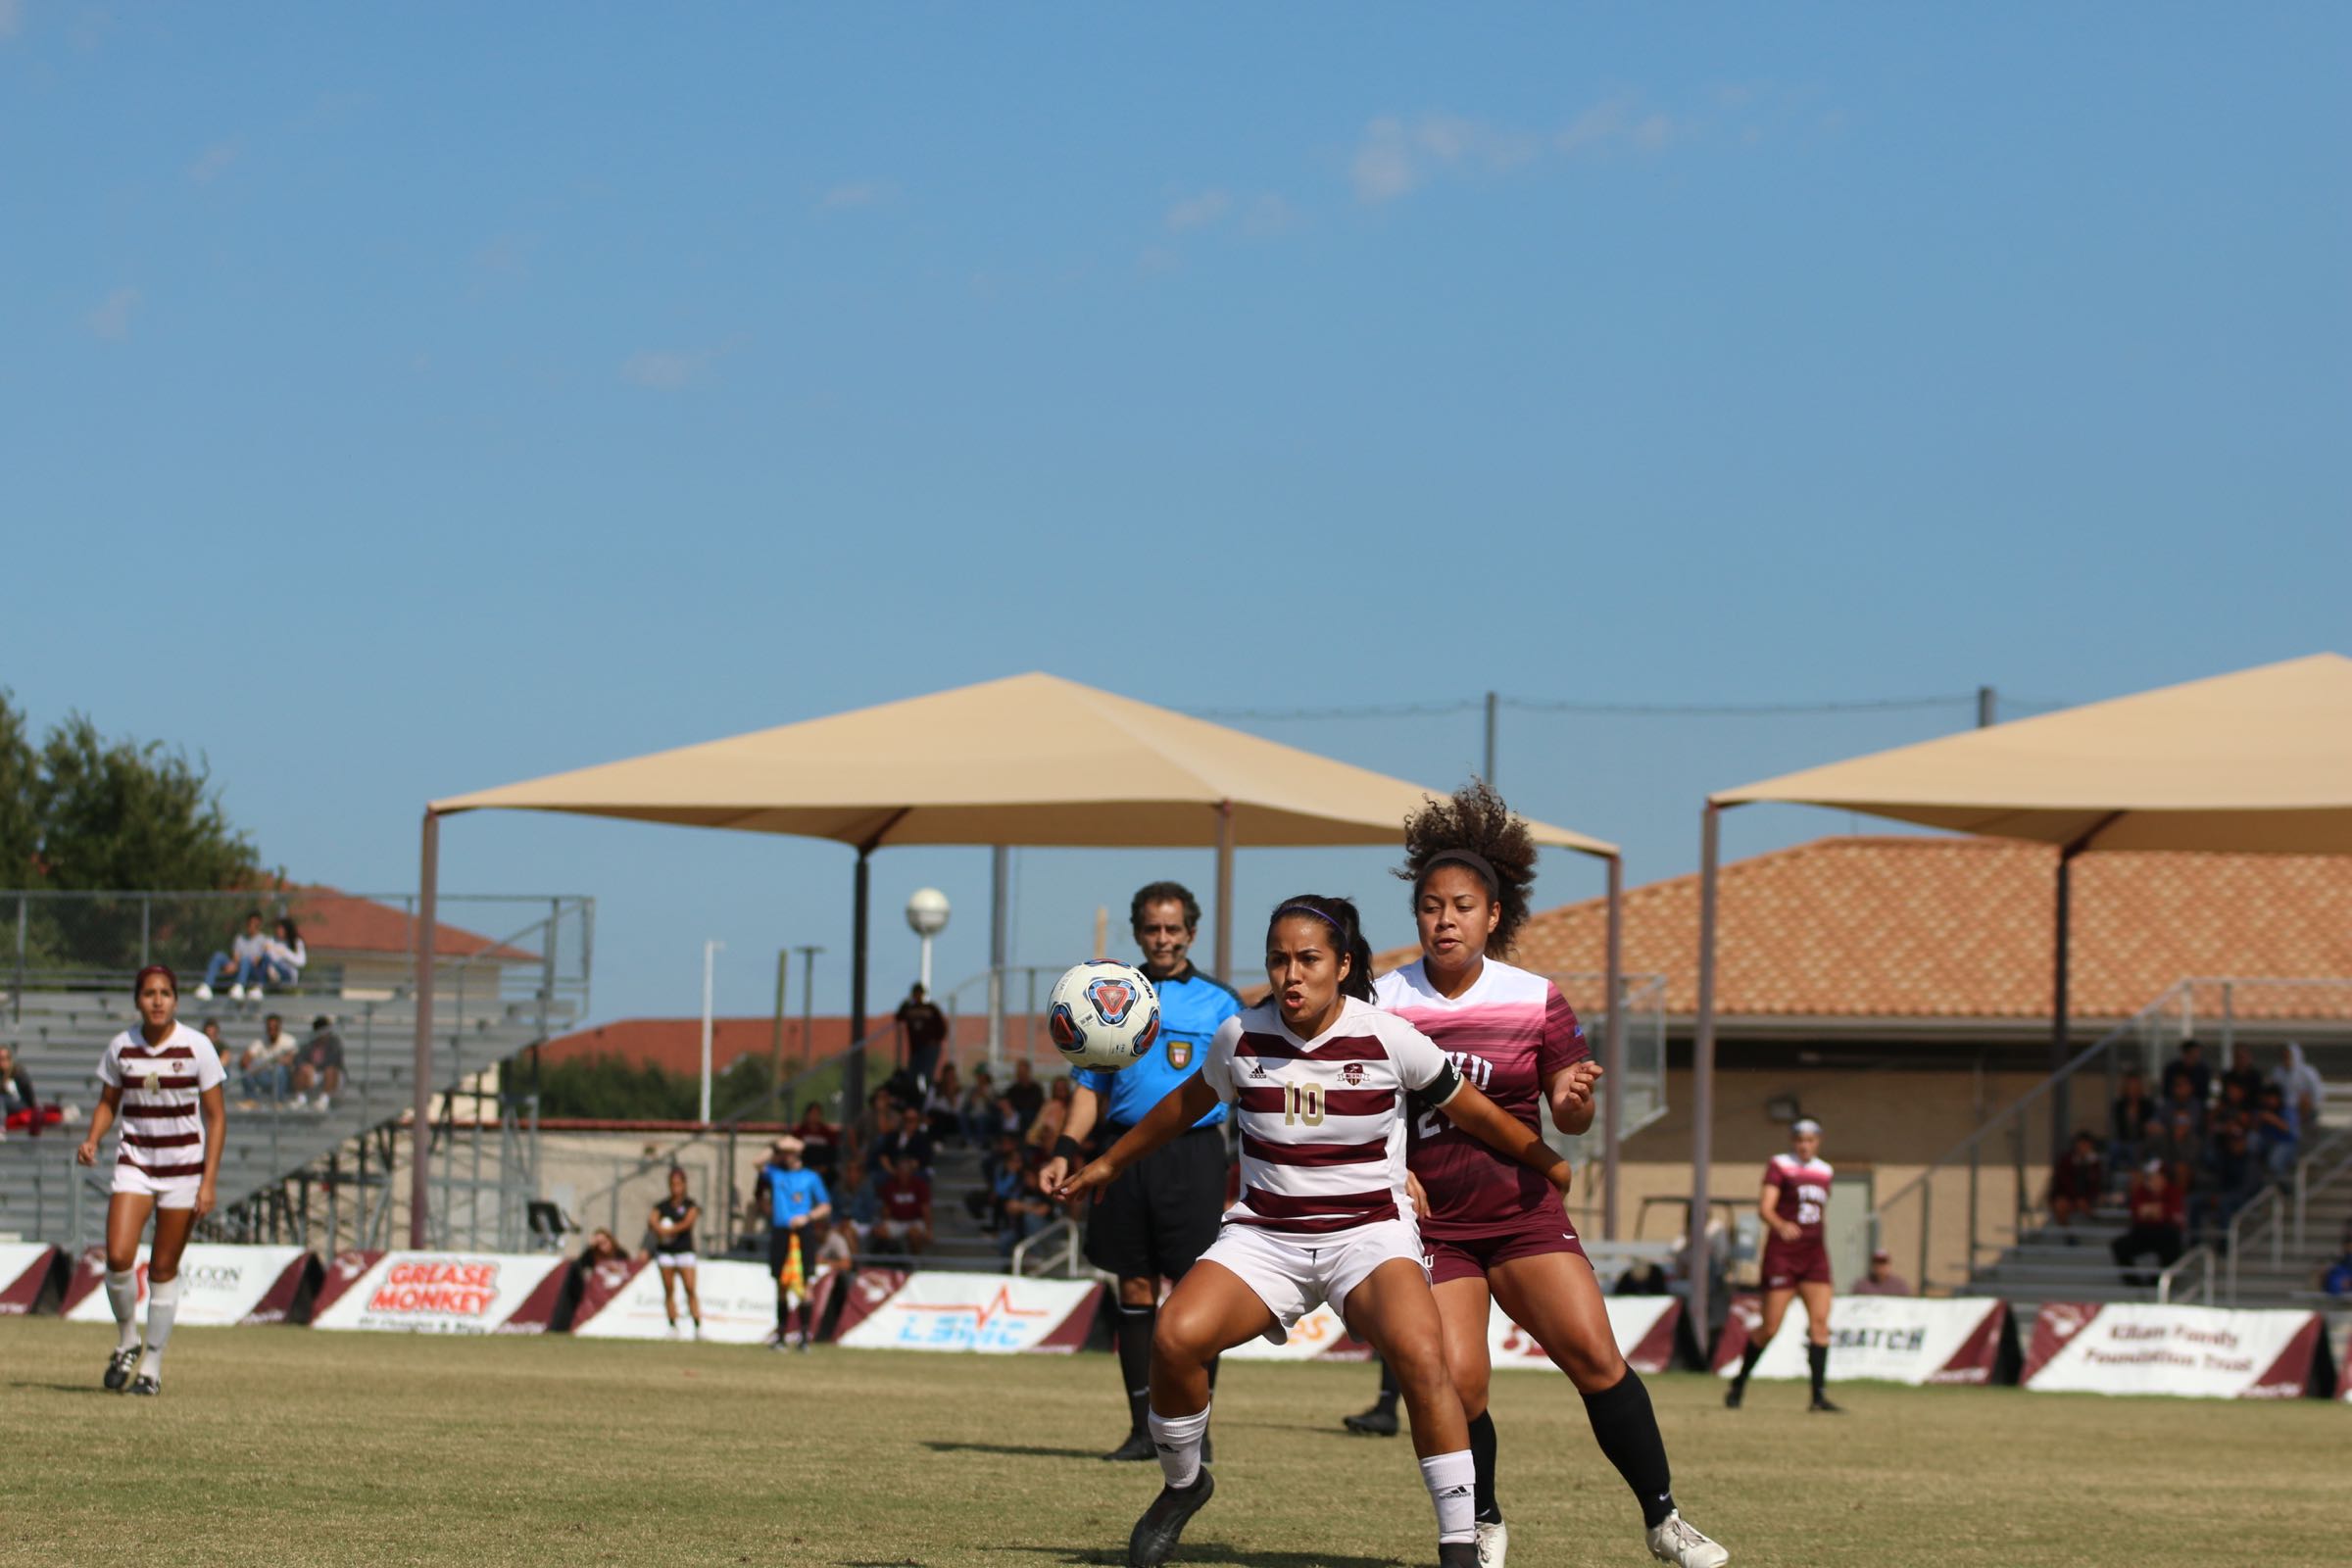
(1452,1478)
(163,1305)
(122,1294)
(1178,1439)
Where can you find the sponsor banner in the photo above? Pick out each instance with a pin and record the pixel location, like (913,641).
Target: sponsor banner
(218,1285)
(992,1313)
(2206,1352)
(1318,1336)
(23,1274)
(739,1303)
(1885,1339)
(441,1292)
(1643,1326)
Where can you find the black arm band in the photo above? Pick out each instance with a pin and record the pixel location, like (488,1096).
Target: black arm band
(1444,1086)
(1067,1148)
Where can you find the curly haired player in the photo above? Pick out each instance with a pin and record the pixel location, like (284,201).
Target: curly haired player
(1491,1229)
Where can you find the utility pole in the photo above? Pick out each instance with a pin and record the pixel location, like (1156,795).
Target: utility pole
(1987,702)
(1493,703)
(807,1008)
(775,1038)
(710,965)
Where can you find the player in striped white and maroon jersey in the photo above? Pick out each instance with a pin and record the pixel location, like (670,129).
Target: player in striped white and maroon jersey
(1317,1079)
(163,1081)
(1491,1235)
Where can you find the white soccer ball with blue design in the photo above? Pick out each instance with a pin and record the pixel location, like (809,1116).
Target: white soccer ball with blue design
(1102,1015)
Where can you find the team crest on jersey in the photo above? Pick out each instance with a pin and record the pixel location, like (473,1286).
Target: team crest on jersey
(1353,1073)
(1113,997)
(1180,1054)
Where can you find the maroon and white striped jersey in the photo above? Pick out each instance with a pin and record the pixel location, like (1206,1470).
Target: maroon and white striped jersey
(1509,1033)
(163,1136)
(1322,1120)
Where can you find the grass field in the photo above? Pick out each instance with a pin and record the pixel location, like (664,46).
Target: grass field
(285,1446)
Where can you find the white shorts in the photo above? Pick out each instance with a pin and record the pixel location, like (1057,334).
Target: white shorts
(896,1230)
(674,1261)
(178,1192)
(1295,1274)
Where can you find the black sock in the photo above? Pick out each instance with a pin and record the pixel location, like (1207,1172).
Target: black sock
(783,1313)
(1388,1387)
(1134,1334)
(808,1316)
(1747,1363)
(1628,1432)
(1482,1457)
(1817,1359)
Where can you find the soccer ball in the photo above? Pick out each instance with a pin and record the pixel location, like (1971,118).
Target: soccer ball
(1102,1015)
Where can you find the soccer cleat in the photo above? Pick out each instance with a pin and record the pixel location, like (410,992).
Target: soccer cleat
(1378,1422)
(1137,1448)
(1494,1541)
(1154,1539)
(146,1383)
(1822,1407)
(1457,1554)
(1733,1395)
(119,1367)
(801,1343)
(1675,1541)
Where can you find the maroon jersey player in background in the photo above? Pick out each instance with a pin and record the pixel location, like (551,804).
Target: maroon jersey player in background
(1797,1263)
(1491,1231)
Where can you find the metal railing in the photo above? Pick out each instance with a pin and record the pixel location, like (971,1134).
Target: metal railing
(2016,1143)
(2197,1262)
(1062,1233)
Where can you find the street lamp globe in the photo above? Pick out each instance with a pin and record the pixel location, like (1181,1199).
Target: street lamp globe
(927,912)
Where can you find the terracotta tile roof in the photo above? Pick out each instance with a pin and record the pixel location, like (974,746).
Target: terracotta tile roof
(333,921)
(1924,928)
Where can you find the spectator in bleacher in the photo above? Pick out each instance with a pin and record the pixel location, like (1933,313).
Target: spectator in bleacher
(287,953)
(873,1124)
(2158,1215)
(906,1223)
(907,1141)
(318,1064)
(603,1248)
(2276,1136)
(1052,1118)
(821,1141)
(2183,1106)
(2336,1278)
(1025,1094)
(1027,1209)
(2127,1123)
(20,1112)
(2231,1177)
(977,1111)
(2190,1068)
(858,1199)
(2299,1086)
(1000,1180)
(941,1103)
(2243,1073)
(922,1032)
(2077,1182)
(267,1068)
(241,964)
(1883,1280)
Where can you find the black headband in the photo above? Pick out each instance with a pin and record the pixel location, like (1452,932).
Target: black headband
(1469,858)
(1324,915)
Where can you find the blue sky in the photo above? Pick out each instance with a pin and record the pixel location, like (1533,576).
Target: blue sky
(402,400)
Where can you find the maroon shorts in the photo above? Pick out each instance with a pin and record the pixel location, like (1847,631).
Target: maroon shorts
(1468,1258)
(1788,1264)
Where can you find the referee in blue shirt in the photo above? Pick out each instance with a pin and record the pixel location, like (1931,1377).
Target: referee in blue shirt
(1161,1215)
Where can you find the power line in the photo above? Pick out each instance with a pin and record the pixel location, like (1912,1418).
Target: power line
(1534,705)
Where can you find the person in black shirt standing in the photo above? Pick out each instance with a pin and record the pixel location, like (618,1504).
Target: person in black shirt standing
(926,1030)
(674,1221)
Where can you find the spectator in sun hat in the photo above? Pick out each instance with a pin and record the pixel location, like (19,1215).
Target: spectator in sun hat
(1882,1280)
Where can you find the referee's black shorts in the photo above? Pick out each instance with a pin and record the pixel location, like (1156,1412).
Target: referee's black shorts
(779,1250)
(1163,1213)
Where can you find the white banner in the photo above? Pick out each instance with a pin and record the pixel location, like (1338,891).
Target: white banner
(994,1313)
(739,1307)
(1643,1327)
(1886,1339)
(449,1293)
(2203,1353)
(219,1284)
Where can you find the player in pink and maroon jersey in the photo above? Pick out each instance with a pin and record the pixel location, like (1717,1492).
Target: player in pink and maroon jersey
(1797,1263)
(1489,1232)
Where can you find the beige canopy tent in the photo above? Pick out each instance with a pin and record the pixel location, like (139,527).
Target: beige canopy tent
(1030,759)
(2258,762)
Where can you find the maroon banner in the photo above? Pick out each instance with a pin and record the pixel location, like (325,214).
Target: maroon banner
(25,1270)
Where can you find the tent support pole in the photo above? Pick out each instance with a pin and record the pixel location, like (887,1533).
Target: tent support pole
(1000,940)
(852,1067)
(1700,1261)
(2061,1048)
(421,1130)
(1225,891)
(1612,1083)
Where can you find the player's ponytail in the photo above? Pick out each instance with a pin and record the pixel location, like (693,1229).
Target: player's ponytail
(1348,934)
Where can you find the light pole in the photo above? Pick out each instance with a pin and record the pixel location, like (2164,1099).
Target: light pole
(710,965)
(927,918)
